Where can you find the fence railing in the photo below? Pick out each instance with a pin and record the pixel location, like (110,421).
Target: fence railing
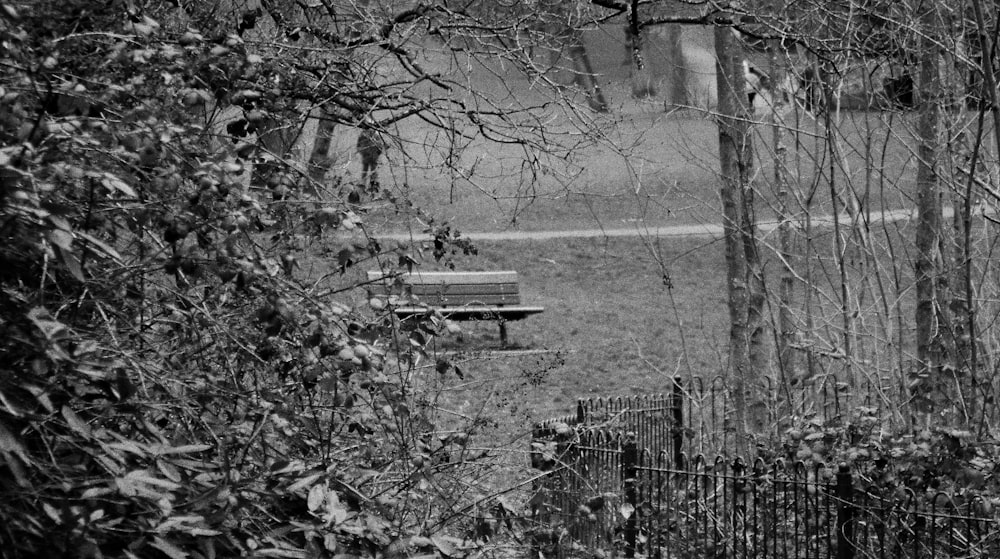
(656,420)
(604,495)
(619,481)
(694,416)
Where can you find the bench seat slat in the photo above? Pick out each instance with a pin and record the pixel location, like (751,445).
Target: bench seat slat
(451,289)
(470,291)
(456,295)
(457,300)
(515,312)
(451,296)
(449,278)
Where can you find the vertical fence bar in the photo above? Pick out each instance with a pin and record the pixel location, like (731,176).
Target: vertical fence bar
(786,508)
(738,506)
(932,526)
(798,496)
(677,412)
(664,496)
(829,519)
(702,477)
(629,464)
(845,513)
(719,518)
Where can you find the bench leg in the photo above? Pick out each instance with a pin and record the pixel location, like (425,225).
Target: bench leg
(503,332)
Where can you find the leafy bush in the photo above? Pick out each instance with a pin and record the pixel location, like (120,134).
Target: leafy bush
(172,382)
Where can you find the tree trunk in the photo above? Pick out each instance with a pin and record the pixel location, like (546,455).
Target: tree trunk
(928,265)
(676,69)
(276,139)
(744,280)
(987,46)
(320,158)
(639,74)
(642,80)
(583,72)
(787,357)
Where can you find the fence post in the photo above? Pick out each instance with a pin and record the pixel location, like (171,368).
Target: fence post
(677,432)
(739,506)
(630,470)
(845,513)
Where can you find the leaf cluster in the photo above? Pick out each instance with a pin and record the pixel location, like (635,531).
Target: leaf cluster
(920,465)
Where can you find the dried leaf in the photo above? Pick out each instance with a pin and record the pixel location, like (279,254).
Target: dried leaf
(10,443)
(61,239)
(169,549)
(128,446)
(41,396)
(100,245)
(336,513)
(143,476)
(75,423)
(182,523)
(285,553)
(285,466)
(316,497)
(450,546)
(169,471)
(71,262)
(95,492)
(52,513)
(16,468)
(185,449)
(52,329)
(113,183)
(303,483)
(203,532)
(140,483)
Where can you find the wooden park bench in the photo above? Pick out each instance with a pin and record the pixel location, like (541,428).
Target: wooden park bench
(457,295)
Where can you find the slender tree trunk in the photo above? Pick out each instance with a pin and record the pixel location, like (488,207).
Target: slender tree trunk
(989,73)
(277,140)
(676,68)
(642,80)
(320,158)
(987,45)
(583,72)
(787,358)
(742,258)
(928,262)
(979,45)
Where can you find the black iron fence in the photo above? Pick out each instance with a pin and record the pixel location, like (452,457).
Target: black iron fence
(604,496)
(694,416)
(618,481)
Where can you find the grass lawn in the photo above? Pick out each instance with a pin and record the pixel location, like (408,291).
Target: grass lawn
(662,170)
(610,327)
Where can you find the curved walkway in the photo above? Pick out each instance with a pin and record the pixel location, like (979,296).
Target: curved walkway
(697,230)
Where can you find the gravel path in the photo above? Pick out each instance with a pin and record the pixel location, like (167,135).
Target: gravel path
(703,230)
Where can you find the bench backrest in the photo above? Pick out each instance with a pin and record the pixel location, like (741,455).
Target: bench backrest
(452,289)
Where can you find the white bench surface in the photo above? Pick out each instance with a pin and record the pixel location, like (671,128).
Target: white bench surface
(461,295)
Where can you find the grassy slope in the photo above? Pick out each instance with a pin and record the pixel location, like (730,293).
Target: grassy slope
(653,166)
(611,325)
